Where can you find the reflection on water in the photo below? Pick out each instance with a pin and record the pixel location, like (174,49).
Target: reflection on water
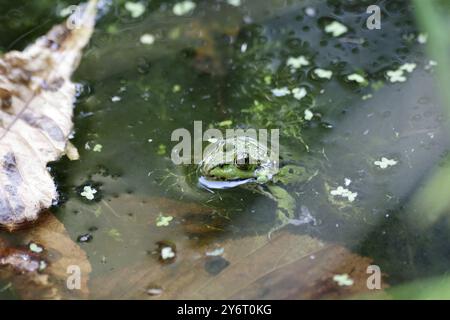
(221,63)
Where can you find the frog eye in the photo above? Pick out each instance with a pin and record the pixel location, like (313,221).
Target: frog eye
(243,162)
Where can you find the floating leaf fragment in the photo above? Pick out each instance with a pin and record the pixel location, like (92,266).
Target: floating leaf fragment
(281,92)
(343,280)
(322,73)
(115,234)
(297,62)
(399,74)
(357,78)
(184,7)
(167,253)
(215,252)
(88,192)
(154,291)
(84,238)
(225,123)
(422,38)
(234,3)
(336,28)
(35,248)
(161,150)
(136,9)
(385,163)
(97,148)
(308,115)
(345,193)
(147,39)
(299,93)
(163,221)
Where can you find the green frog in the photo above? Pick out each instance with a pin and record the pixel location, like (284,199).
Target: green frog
(241,161)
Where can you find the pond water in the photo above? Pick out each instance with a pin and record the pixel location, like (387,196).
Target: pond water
(219,65)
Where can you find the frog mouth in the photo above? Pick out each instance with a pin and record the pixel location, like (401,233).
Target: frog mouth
(218,184)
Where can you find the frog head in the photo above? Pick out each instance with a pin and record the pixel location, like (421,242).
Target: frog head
(234,161)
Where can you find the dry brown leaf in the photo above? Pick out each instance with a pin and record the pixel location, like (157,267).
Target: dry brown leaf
(20,266)
(289,266)
(36,101)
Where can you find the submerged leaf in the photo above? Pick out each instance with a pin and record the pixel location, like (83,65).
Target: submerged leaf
(44,273)
(36,101)
(287,266)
